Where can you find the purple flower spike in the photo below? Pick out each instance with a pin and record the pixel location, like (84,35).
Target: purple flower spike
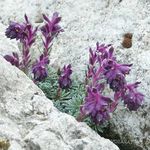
(30,35)
(132,98)
(14,59)
(50,30)
(92,61)
(15,31)
(64,79)
(105,52)
(27,41)
(96,106)
(25,33)
(39,69)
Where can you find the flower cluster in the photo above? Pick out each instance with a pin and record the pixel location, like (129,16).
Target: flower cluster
(26,34)
(64,79)
(103,70)
(49,30)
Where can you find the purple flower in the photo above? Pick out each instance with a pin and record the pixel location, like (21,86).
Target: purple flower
(64,79)
(52,26)
(39,69)
(30,33)
(26,34)
(115,73)
(124,68)
(95,71)
(108,64)
(22,31)
(117,83)
(132,98)
(50,30)
(15,31)
(14,59)
(27,41)
(116,80)
(92,61)
(105,52)
(104,69)
(96,106)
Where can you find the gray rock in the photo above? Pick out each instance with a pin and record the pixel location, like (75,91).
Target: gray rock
(131,129)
